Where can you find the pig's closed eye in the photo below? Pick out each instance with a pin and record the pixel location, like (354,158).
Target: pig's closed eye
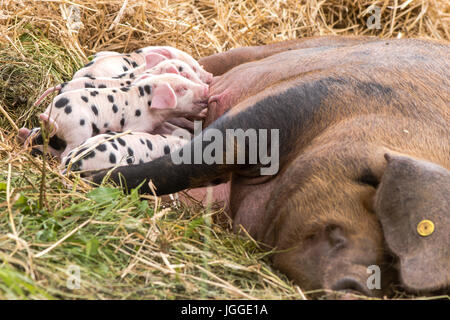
(181,91)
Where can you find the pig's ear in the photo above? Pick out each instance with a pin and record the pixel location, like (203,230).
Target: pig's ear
(152,59)
(413,205)
(163,97)
(162,51)
(53,126)
(172,69)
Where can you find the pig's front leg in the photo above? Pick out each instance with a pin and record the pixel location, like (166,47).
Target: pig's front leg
(220,63)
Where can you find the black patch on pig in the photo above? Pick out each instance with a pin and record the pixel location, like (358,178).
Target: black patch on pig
(84,98)
(76,166)
(82,122)
(88,85)
(68,109)
(126,103)
(125,89)
(122,84)
(114,108)
(148,89)
(130,151)
(90,76)
(166,149)
(368,177)
(94,110)
(114,145)
(141,91)
(101,86)
(89,64)
(163,136)
(138,113)
(63,84)
(128,82)
(180,68)
(57,143)
(132,75)
(62,102)
(141,161)
(114,91)
(142,141)
(112,158)
(80,152)
(105,125)
(125,68)
(110,98)
(127,61)
(134,64)
(94,93)
(121,141)
(149,103)
(122,122)
(149,144)
(95,130)
(138,51)
(101,147)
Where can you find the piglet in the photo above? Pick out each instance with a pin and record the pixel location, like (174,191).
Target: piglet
(114,65)
(155,64)
(114,149)
(80,114)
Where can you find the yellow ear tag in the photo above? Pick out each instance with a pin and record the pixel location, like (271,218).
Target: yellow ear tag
(425,228)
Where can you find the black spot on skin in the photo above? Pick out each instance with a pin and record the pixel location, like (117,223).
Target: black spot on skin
(130,155)
(139,51)
(149,144)
(120,76)
(90,155)
(134,64)
(147,155)
(95,130)
(125,68)
(89,64)
(127,61)
(114,145)
(80,151)
(138,113)
(94,110)
(122,84)
(114,108)
(63,84)
(94,93)
(112,158)
(147,89)
(114,91)
(82,122)
(126,103)
(125,89)
(110,98)
(142,141)
(62,102)
(141,161)
(149,103)
(141,91)
(90,76)
(121,141)
(57,143)
(101,147)
(128,82)
(180,69)
(122,122)
(132,75)
(68,109)
(77,165)
(163,136)
(88,85)
(105,125)
(128,55)
(84,98)
(130,151)
(101,86)
(166,149)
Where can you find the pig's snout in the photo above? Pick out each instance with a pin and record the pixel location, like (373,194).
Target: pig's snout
(23,134)
(351,285)
(208,77)
(202,94)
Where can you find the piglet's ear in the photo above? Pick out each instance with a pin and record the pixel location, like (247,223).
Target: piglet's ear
(172,69)
(164,97)
(413,205)
(162,51)
(152,59)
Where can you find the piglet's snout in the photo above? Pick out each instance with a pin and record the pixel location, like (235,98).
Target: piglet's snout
(202,95)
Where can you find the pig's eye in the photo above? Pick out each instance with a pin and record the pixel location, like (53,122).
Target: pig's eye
(181,91)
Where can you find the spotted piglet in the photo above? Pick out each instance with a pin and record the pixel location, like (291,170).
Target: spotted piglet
(110,65)
(78,115)
(155,64)
(114,149)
